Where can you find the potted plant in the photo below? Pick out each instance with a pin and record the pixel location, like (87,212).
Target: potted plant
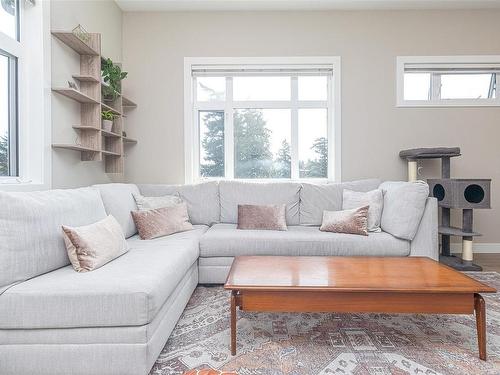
(112,76)
(107,120)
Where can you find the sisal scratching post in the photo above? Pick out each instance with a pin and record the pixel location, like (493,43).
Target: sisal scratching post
(467,255)
(412,170)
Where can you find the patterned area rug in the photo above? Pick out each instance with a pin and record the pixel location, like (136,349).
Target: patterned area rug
(313,343)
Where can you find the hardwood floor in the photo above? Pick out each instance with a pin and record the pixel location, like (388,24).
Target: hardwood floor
(489,262)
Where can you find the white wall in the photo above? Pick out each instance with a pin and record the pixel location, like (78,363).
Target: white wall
(98,17)
(373,129)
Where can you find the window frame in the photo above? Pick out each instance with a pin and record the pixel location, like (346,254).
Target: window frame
(191,108)
(434,100)
(32,49)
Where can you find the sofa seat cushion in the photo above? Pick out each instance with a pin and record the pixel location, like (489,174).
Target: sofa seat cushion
(224,240)
(129,291)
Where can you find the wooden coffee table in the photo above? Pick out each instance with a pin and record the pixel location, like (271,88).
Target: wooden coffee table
(354,285)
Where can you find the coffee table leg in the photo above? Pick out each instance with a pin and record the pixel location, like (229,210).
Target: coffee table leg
(233,322)
(479,307)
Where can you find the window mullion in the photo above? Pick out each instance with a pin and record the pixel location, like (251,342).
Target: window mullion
(13,123)
(435,86)
(229,130)
(195,154)
(295,128)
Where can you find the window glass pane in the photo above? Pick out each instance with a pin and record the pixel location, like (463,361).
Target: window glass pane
(8,18)
(313,143)
(417,86)
(262,143)
(465,86)
(4,116)
(210,88)
(211,143)
(261,88)
(312,87)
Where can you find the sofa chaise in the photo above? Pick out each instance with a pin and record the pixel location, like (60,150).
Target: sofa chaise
(117,318)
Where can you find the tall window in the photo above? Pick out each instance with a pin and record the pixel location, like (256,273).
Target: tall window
(448,81)
(9,53)
(262,121)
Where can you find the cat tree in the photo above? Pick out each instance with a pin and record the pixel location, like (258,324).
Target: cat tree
(452,193)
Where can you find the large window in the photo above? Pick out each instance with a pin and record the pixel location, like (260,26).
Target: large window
(261,120)
(9,51)
(24,95)
(448,81)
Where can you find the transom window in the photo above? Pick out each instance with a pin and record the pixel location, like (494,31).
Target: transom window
(270,121)
(448,81)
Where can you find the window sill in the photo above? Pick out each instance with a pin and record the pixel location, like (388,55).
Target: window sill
(453,104)
(12,184)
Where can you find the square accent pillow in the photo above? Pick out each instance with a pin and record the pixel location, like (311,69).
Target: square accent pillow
(148,203)
(266,217)
(374,199)
(353,221)
(162,221)
(404,206)
(92,246)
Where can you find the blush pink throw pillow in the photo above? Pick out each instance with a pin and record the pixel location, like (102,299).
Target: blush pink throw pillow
(162,221)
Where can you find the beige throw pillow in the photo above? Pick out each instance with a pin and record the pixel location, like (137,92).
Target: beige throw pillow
(91,246)
(353,221)
(267,217)
(374,199)
(148,203)
(162,221)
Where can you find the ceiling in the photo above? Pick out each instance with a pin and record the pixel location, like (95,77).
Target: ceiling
(222,5)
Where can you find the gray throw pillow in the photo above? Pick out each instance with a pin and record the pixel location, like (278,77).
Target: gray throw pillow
(266,217)
(404,205)
(353,221)
(374,199)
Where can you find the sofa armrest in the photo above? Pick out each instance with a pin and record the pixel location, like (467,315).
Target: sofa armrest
(425,243)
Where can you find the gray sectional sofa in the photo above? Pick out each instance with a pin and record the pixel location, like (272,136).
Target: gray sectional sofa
(116,319)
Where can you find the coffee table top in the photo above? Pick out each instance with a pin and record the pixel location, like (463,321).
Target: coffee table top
(349,274)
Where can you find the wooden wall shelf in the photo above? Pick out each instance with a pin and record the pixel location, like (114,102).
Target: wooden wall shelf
(110,134)
(74,147)
(91,128)
(75,43)
(127,103)
(107,107)
(95,141)
(129,140)
(84,78)
(75,95)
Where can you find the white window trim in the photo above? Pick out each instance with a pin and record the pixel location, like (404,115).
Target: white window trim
(403,60)
(191,136)
(34,118)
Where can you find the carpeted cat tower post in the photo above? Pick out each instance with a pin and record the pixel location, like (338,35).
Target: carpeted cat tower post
(452,193)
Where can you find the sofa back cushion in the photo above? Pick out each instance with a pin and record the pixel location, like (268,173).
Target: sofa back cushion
(316,198)
(202,199)
(31,239)
(233,193)
(404,205)
(119,201)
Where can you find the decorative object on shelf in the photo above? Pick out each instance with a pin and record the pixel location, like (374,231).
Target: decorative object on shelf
(73,85)
(107,120)
(112,75)
(124,134)
(452,193)
(81,34)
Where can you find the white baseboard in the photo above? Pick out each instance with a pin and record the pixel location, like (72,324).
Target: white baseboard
(479,248)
